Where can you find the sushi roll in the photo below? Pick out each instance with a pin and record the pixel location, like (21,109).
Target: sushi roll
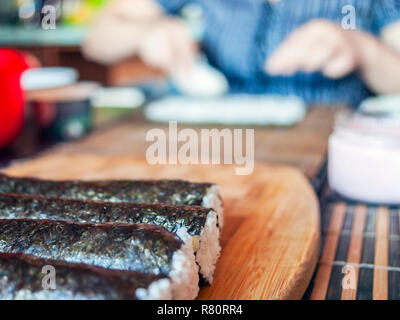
(200,223)
(22,278)
(136,247)
(175,192)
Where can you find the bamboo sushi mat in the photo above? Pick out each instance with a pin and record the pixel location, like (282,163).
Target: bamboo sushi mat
(360,252)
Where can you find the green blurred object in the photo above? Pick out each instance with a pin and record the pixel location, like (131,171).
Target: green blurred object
(80,12)
(103,116)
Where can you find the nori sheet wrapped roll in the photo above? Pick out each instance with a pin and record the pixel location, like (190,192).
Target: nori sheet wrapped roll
(22,277)
(200,223)
(170,217)
(176,192)
(136,247)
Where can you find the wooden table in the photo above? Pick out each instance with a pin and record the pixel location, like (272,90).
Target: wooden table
(303,146)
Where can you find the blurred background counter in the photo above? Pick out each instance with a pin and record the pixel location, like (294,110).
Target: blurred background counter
(21,28)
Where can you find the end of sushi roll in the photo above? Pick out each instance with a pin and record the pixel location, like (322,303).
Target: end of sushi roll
(213,200)
(184,272)
(21,278)
(209,248)
(158,290)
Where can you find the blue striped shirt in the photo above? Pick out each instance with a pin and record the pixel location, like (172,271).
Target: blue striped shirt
(241,34)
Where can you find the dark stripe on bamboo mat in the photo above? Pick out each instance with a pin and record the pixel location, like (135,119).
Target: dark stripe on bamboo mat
(365,284)
(394,237)
(361,243)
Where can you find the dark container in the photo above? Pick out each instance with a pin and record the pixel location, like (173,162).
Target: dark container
(63,113)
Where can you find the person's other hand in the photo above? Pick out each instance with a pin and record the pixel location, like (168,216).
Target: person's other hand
(319,45)
(168,46)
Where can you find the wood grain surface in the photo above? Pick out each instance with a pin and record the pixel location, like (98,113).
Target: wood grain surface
(355,249)
(380,286)
(271,237)
(303,146)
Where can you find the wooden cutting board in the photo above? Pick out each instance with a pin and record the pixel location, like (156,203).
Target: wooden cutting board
(271,236)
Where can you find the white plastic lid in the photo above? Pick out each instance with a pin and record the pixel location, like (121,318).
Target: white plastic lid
(367,129)
(48,77)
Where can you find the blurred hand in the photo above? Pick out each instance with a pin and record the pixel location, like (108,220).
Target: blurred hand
(319,45)
(168,46)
